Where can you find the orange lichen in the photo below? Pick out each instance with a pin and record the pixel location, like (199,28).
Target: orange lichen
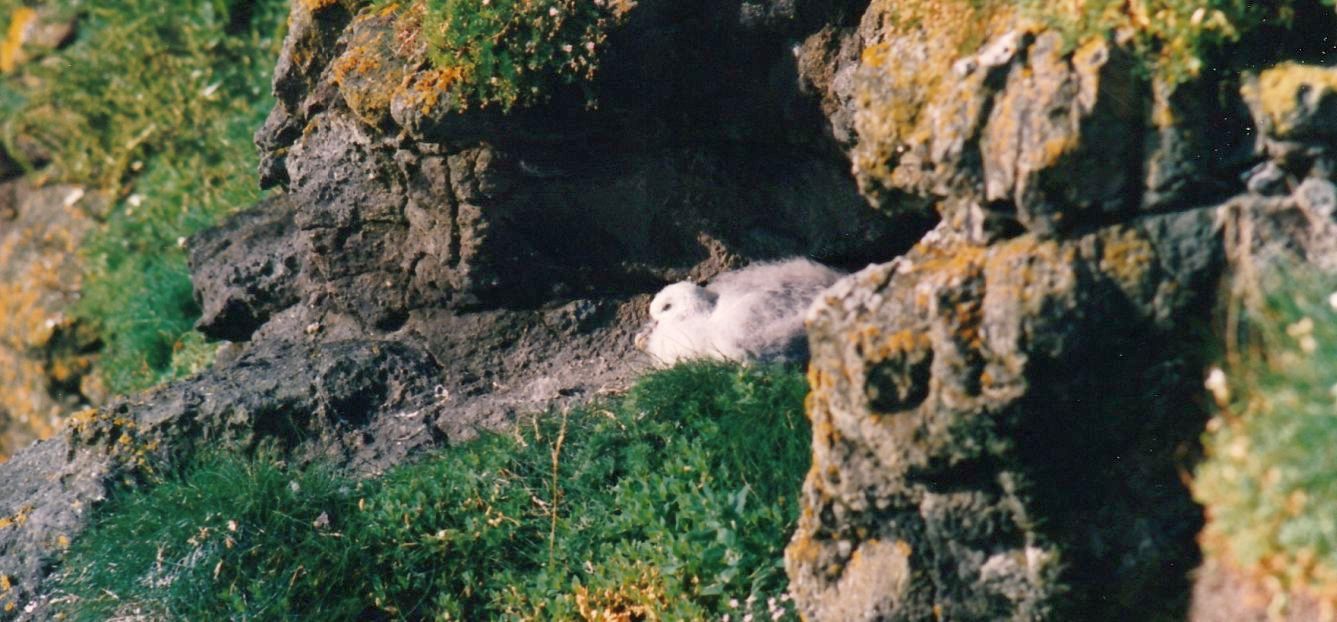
(1128,257)
(917,44)
(641,600)
(17,520)
(425,89)
(20,22)
(313,6)
(1285,90)
(39,262)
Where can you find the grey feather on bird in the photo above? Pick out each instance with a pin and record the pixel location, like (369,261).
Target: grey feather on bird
(751,314)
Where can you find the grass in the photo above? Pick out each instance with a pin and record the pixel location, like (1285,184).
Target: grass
(153,106)
(509,53)
(1269,482)
(1172,39)
(674,501)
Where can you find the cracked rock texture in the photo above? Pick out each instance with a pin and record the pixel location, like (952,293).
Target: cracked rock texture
(1004,402)
(1004,415)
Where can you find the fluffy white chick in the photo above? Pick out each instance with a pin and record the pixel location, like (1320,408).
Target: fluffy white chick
(752,314)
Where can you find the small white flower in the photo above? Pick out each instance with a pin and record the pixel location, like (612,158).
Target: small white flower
(1308,344)
(1301,328)
(552,12)
(135,200)
(232,525)
(1218,385)
(73,197)
(181,242)
(733,603)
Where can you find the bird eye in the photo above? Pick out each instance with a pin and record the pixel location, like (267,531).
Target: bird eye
(667,306)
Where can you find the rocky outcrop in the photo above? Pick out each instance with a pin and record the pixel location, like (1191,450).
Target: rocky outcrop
(402,201)
(1003,416)
(423,273)
(45,355)
(996,427)
(1003,405)
(361,404)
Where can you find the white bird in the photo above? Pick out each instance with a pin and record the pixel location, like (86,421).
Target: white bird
(752,314)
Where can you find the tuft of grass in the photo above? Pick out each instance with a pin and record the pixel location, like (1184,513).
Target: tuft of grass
(510,53)
(1173,39)
(228,539)
(674,501)
(1269,482)
(154,106)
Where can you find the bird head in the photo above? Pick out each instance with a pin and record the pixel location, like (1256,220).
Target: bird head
(680,301)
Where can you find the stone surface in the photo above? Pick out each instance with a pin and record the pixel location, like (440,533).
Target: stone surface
(1003,406)
(245,270)
(44,354)
(406,203)
(994,430)
(360,404)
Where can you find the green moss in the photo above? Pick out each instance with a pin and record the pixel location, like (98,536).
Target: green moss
(1269,482)
(510,53)
(1173,39)
(671,501)
(154,105)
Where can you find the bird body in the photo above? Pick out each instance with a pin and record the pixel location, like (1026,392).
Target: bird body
(752,314)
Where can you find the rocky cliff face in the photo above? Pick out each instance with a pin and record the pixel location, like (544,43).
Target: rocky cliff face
(1003,415)
(1003,404)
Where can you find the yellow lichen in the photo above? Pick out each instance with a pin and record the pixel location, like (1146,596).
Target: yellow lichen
(20,21)
(17,520)
(918,41)
(1128,257)
(312,6)
(1282,90)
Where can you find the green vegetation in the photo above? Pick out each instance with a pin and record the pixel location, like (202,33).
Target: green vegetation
(511,53)
(673,501)
(1172,38)
(1269,482)
(153,105)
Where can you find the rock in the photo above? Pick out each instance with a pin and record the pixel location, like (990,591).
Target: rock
(44,353)
(1024,127)
(34,31)
(1225,594)
(357,404)
(477,209)
(1001,404)
(992,437)
(245,270)
(313,29)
